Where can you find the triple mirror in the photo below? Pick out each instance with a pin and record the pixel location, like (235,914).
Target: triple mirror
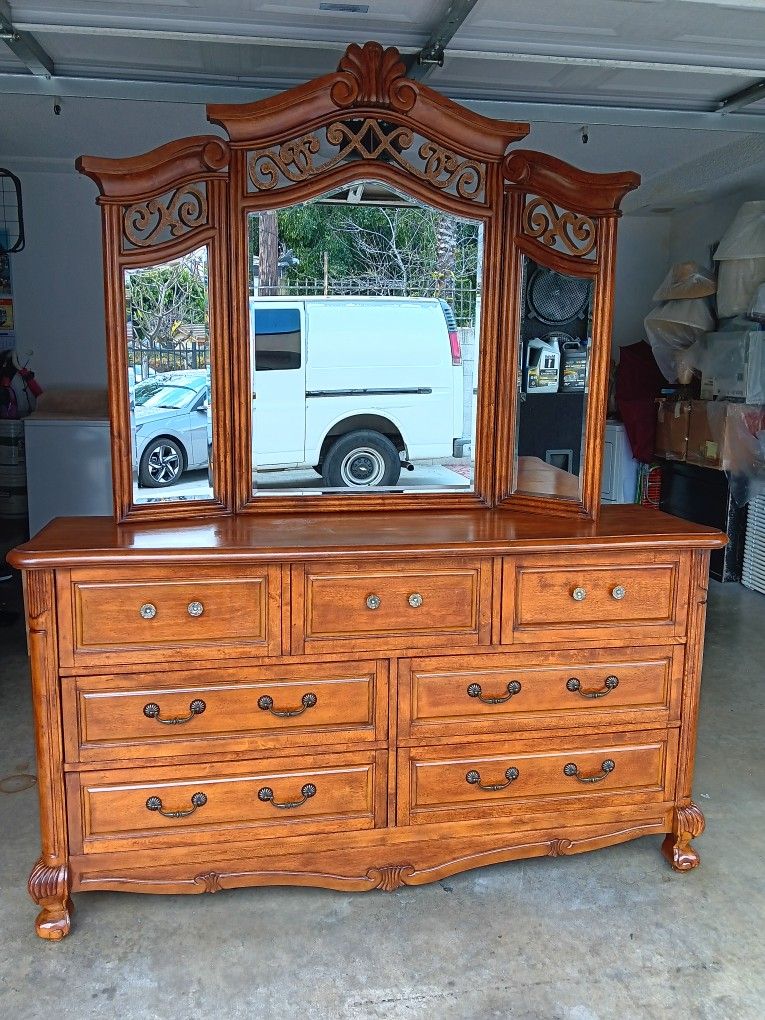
(362,298)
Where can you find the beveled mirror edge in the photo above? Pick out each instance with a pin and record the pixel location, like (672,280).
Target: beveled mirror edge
(369,81)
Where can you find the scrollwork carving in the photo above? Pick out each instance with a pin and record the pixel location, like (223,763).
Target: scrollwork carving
(559,847)
(688,823)
(166,216)
(390,877)
(210,881)
(369,75)
(572,232)
(295,161)
(49,887)
(38,593)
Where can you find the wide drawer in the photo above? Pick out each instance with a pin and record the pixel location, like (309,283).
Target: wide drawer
(449,783)
(495,694)
(391,604)
(129,615)
(611,596)
(140,715)
(160,807)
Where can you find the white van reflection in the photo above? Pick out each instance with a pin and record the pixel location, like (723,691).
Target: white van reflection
(355,388)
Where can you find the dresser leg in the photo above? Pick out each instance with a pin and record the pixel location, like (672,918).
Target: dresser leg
(688,823)
(49,888)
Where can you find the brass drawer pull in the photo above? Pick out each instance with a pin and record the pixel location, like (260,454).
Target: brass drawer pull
(415,600)
(618,592)
(266,794)
(152,710)
(574,685)
(195,608)
(474,778)
(148,611)
(606,767)
(474,691)
(266,704)
(578,594)
(198,800)
(373,601)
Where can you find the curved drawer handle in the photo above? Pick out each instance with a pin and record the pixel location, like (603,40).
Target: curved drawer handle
(266,794)
(198,800)
(152,710)
(474,691)
(474,778)
(572,770)
(574,685)
(266,704)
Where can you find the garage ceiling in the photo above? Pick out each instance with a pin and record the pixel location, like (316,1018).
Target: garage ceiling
(678,55)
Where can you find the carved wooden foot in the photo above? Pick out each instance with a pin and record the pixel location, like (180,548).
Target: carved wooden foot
(49,888)
(688,823)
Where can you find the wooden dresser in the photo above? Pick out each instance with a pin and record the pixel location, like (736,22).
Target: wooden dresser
(360,701)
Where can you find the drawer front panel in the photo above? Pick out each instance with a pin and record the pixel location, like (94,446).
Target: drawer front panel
(140,715)
(449,783)
(495,694)
(392,604)
(554,598)
(130,615)
(177,806)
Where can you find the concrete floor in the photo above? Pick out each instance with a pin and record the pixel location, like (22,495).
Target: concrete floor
(611,934)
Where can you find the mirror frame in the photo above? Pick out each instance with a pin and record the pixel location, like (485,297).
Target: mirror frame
(385,127)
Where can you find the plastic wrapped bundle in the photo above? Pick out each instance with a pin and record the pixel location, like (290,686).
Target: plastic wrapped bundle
(686,280)
(741,254)
(675,326)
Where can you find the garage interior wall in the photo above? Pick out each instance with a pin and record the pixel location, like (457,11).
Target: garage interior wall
(57,279)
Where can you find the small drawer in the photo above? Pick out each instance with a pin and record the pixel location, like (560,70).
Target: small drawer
(391,604)
(184,805)
(499,694)
(525,777)
(140,715)
(552,598)
(130,615)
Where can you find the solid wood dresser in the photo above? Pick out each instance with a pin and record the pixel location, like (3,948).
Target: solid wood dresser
(358,701)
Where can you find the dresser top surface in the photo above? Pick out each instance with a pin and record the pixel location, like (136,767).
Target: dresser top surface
(77,541)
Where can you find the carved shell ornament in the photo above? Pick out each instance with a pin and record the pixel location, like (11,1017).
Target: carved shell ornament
(373,76)
(563,229)
(166,217)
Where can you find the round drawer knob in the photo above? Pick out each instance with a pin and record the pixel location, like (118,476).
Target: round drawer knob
(578,594)
(373,601)
(195,608)
(618,592)
(148,611)
(415,600)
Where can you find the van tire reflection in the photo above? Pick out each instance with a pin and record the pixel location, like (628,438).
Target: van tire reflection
(361,459)
(162,463)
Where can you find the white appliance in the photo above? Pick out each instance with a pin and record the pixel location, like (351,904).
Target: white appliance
(69,468)
(620,469)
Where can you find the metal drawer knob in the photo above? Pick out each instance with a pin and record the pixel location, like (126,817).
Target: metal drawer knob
(618,592)
(373,601)
(148,611)
(578,594)
(195,608)
(415,600)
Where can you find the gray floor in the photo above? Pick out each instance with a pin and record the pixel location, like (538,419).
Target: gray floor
(612,934)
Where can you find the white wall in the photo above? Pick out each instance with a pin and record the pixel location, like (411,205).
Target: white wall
(58,277)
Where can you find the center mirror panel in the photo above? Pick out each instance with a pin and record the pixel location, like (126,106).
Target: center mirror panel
(168,364)
(364,311)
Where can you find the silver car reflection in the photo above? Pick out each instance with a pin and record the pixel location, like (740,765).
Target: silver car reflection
(171,426)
